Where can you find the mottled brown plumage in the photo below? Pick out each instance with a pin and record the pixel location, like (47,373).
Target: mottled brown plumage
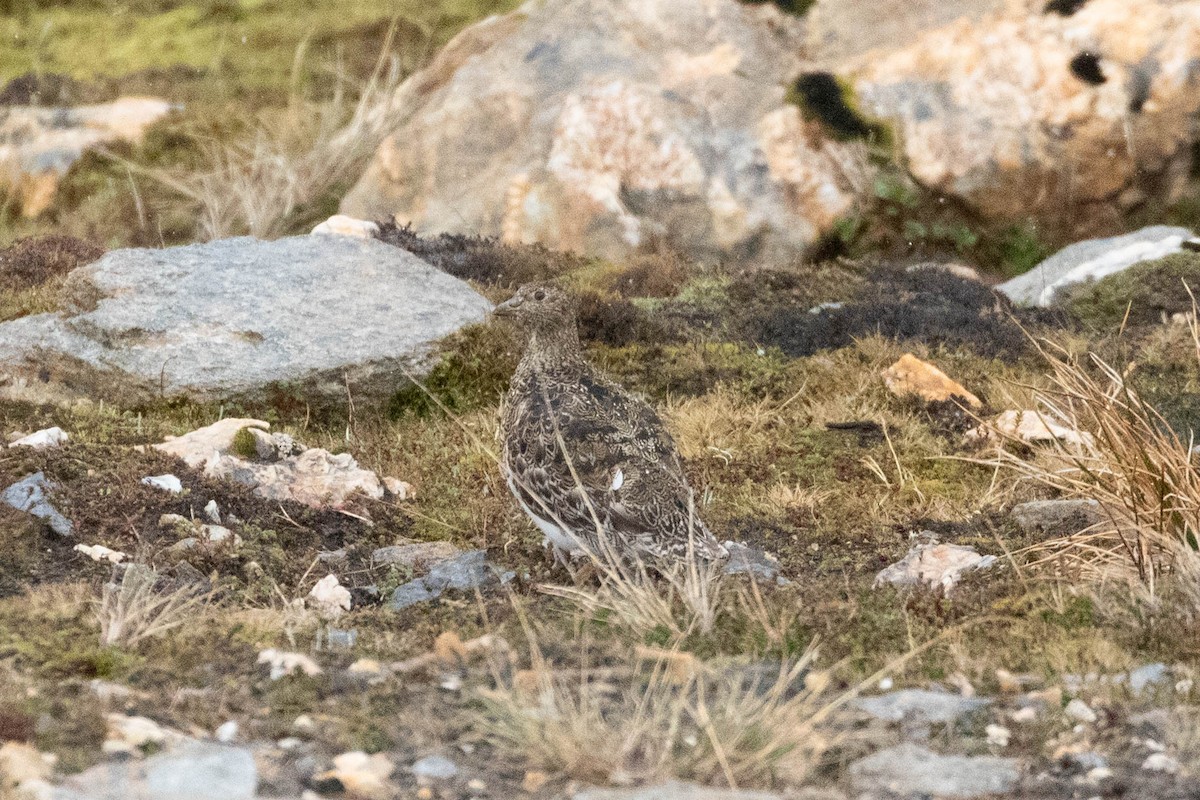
(580,450)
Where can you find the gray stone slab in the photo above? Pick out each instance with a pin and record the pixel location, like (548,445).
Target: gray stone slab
(194,770)
(29,495)
(233,317)
(1092,259)
(911,771)
(920,706)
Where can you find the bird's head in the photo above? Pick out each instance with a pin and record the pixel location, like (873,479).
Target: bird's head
(539,307)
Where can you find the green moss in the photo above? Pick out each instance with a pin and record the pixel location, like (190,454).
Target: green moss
(1077,613)
(1149,291)
(245,444)
(1018,249)
(476,364)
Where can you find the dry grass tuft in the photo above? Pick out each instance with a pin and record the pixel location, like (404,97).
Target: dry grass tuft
(131,609)
(665,713)
(273,183)
(1128,458)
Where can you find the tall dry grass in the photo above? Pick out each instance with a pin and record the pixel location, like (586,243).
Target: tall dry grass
(274,181)
(664,713)
(131,609)
(1126,456)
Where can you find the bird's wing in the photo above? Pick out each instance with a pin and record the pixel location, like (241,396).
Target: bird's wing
(621,467)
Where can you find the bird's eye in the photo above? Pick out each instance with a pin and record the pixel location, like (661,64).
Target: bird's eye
(539,295)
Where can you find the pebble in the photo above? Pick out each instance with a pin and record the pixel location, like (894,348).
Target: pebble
(168,483)
(1160,762)
(329,598)
(47,437)
(1148,676)
(1022,715)
(998,735)
(434,768)
(227,731)
(213,512)
(1079,710)
(285,663)
(533,781)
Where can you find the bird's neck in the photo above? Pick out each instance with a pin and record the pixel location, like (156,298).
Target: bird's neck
(553,349)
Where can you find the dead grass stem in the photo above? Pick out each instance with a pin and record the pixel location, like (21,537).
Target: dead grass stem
(264,184)
(1125,455)
(131,609)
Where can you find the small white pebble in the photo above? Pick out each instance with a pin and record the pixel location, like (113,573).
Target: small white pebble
(1160,762)
(49,437)
(227,731)
(289,743)
(1022,715)
(213,512)
(168,483)
(1079,710)
(304,723)
(1097,774)
(1184,686)
(886,684)
(998,735)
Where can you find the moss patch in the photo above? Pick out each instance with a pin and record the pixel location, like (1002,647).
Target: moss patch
(1150,291)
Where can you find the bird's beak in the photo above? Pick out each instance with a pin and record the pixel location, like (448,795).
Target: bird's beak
(507,308)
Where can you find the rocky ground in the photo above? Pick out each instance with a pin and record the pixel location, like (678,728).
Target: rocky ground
(246,554)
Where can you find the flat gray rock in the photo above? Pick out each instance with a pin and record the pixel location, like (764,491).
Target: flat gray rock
(746,559)
(920,706)
(236,317)
(467,571)
(1092,260)
(1057,516)
(29,495)
(193,771)
(911,771)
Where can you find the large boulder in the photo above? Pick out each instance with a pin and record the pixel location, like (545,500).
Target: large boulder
(39,145)
(1038,111)
(599,127)
(842,29)
(321,315)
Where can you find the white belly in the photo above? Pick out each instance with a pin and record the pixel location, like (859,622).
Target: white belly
(553,533)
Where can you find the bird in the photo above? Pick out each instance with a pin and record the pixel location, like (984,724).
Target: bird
(591,464)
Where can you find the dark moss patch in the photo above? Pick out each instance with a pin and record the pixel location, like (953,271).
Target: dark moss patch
(44,89)
(652,276)
(32,262)
(1086,67)
(823,99)
(797,7)
(1064,7)
(926,305)
(616,322)
(1151,291)
(486,261)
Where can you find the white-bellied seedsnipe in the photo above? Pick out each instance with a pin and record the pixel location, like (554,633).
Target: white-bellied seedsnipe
(584,457)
